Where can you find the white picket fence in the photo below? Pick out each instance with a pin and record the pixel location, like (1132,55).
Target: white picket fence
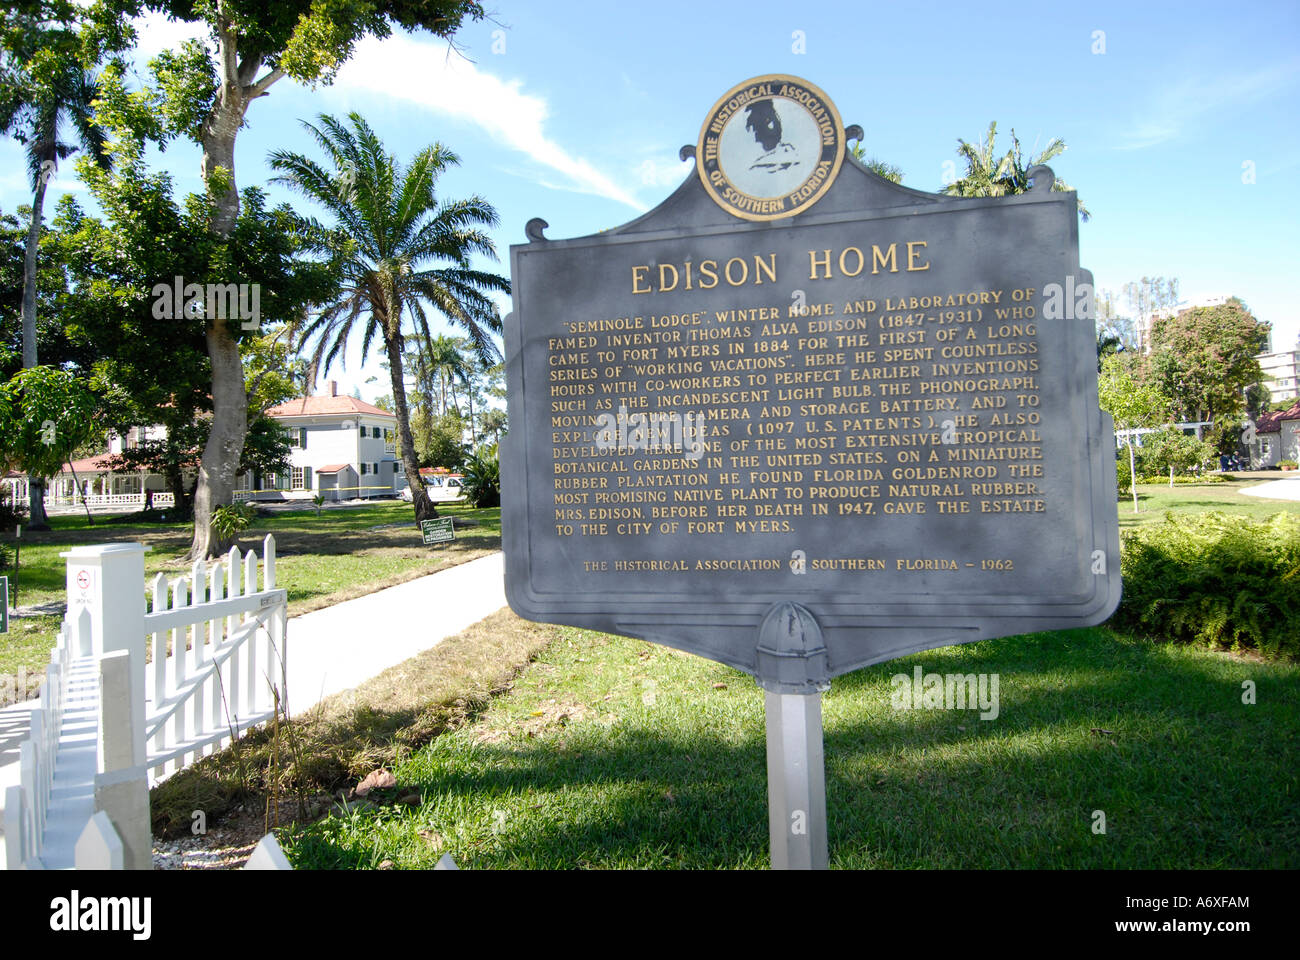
(107,724)
(160,499)
(27,803)
(210,679)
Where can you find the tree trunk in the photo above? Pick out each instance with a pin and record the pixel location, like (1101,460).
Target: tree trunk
(225,444)
(424,508)
(29,275)
(36,518)
(473,437)
(180,496)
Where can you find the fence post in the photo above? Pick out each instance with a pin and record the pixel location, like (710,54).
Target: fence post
(122,785)
(108,581)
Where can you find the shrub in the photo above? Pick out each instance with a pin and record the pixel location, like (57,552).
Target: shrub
(1213,579)
(232,520)
(482,482)
(1186,478)
(1168,447)
(1124,474)
(11,515)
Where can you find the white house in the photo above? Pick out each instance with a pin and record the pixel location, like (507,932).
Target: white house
(342,449)
(97,481)
(1277,437)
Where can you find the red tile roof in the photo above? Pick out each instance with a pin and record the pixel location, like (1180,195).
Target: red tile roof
(1272,422)
(332,468)
(327,407)
(97,464)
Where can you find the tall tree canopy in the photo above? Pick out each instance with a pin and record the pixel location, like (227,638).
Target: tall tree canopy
(988,175)
(131,272)
(203,92)
(405,254)
(1204,359)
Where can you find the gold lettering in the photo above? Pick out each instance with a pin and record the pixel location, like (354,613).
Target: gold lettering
(879,260)
(814,262)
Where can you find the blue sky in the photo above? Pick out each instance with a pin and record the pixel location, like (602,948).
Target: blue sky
(574,112)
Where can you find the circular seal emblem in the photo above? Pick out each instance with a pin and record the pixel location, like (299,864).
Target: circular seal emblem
(770,148)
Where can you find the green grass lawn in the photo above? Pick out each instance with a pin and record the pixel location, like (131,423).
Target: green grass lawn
(615,753)
(320,559)
(1154,500)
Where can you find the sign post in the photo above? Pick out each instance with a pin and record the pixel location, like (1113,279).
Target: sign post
(793,677)
(4,604)
(799,420)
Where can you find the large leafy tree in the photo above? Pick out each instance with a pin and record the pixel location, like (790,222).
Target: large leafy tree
(46,414)
(988,175)
(1204,359)
(154,365)
(405,254)
(203,92)
(46,98)
(1131,403)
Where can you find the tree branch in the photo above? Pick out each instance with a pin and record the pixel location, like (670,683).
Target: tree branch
(259,89)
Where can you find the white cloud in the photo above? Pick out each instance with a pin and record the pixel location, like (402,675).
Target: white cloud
(156,33)
(1172,108)
(424,74)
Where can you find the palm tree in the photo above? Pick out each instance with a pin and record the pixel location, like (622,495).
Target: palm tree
(990,177)
(35,113)
(448,363)
(401,252)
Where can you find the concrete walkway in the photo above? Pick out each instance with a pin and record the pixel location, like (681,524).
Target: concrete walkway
(339,647)
(1288,489)
(336,648)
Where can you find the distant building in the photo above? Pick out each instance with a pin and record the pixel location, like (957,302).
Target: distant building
(342,449)
(1277,437)
(1284,370)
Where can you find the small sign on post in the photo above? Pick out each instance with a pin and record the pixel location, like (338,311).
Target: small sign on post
(439,530)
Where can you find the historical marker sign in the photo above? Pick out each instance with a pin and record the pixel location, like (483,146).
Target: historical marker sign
(438,530)
(796,382)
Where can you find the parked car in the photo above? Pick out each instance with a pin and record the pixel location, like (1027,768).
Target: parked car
(440,488)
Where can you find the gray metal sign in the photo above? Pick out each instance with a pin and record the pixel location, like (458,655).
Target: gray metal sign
(874,405)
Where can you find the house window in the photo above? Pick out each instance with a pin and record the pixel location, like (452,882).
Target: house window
(302,478)
(299,435)
(363,431)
